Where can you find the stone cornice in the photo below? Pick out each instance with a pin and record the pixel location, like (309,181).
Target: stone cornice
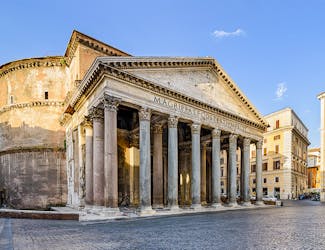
(30,104)
(31,149)
(79,38)
(100,70)
(50,61)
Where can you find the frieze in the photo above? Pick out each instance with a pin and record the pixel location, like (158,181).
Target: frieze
(31,104)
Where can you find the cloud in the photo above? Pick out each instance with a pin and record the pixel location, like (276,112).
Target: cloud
(222,33)
(281,90)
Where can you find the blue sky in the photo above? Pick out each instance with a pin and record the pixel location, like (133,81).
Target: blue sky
(274,50)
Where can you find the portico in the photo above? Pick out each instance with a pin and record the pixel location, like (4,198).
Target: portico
(153,135)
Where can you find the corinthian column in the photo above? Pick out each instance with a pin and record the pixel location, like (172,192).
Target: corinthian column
(98,156)
(89,161)
(259,191)
(157,188)
(111,158)
(232,170)
(245,171)
(196,176)
(145,162)
(172,163)
(203,173)
(216,190)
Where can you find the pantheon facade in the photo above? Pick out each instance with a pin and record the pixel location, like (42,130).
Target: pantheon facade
(152,132)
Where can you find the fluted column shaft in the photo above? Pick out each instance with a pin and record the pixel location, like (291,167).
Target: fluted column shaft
(172,163)
(245,170)
(98,156)
(145,160)
(259,189)
(232,169)
(89,162)
(111,157)
(196,175)
(216,190)
(158,167)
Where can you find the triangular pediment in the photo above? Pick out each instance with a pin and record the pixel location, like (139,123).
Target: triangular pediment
(199,78)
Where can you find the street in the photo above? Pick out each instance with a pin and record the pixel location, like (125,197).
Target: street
(296,225)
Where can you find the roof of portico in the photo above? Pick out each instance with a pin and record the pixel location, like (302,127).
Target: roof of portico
(116,67)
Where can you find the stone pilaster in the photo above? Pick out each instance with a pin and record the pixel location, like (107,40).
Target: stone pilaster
(97,116)
(203,173)
(81,155)
(196,176)
(89,161)
(110,152)
(158,183)
(232,170)
(172,163)
(259,190)
(216,176)
(245,170)
(145,162)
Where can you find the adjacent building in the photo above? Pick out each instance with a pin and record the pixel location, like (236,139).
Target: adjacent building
(151,132)
(313,169)
(284,156)
(321,97)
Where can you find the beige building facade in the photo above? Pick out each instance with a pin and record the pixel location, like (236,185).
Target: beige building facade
(313,169)
(321,97)
(284,156)
(153,132)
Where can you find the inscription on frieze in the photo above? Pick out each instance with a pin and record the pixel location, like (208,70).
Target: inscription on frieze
(201,116)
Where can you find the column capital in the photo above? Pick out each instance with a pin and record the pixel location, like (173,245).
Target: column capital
(233,138)
(110,102)
(196,128)
(87,122)
(157,128)
(144,114)
(204,144)
(96,113)
(216,133)
(259,144)
(172,121)
(246,142)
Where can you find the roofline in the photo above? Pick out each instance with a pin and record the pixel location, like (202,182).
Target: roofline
(287,109)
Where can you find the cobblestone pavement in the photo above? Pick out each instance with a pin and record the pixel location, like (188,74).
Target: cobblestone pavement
(297,225)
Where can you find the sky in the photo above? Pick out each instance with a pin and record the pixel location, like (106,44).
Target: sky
(273,50)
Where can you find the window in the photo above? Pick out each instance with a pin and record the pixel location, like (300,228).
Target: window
(221,172)
(222,161)
(264,191)
(264,180)
(253,191)
(276,149)
(222,191)
(11,99)
(264,166)
(276,165)
(221,183)
(276,179)
(46,95)
(277,137)
(254,181)
(253,168)
(237,170)
(253,153)
(265,151)
(277,124)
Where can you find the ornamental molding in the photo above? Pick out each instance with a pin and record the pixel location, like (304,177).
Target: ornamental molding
(96,113)
(195,128)
(51,61)
(110,103)
(144,114)
(172,122)
(30,105)
(259,144)
(101,70)
(216,133)
(32,149)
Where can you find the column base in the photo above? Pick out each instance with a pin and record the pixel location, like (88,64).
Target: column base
(246,204)
(232,204)
(259,203)
(158,206)
(196,206)
(174,208)
(216,205)
(143,211)
(110,212)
